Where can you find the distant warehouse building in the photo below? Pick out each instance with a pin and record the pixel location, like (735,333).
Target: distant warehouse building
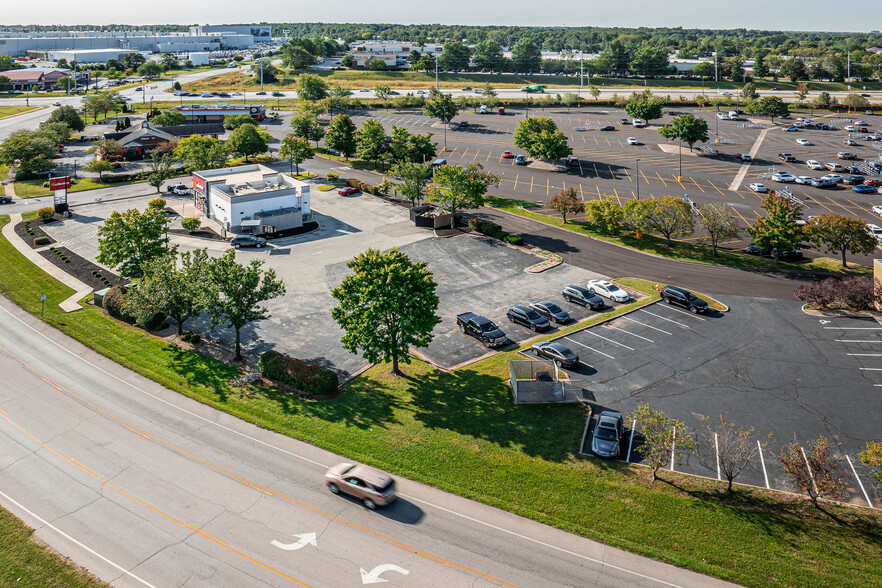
(252,198)
(83,55)
(197,113)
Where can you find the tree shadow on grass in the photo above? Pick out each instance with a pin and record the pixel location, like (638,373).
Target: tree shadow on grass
(201,371)
(480,406)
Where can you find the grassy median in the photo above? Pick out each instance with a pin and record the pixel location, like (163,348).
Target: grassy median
(459,431)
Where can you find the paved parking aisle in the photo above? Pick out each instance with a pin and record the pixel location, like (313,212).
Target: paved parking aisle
(764,365)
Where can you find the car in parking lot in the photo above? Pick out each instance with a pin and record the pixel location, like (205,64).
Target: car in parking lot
(794,255)
(562,355)
(850,142)
(744,158)
(804,142)
(834,167)
(862,123)
(179,189)
(608,434)
(4,199)
(873,182)
(607,128)
(853,180)
(520,160)
(823,182)
(786,157)
(347,191)
(758,187)
(633,141)
(722,116)
(526,316)
(804,180)
(790,129)
(573,161)
(624,121)
(608,290)
(833,177)
(551,311)
(481,328)
(369,485)
(854,170)
(247,241)
(812,164)
(875,231)
(863,189)
(581,295)
(849,128)
(877,209)
(846,155)
(783,176)
(684,298)
(507,154)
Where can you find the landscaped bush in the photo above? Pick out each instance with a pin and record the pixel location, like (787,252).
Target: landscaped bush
(354,183)
(157,204)
(191,223)
(46,213)
(191,337)
(485,227)
(515,240)
(113,302)
(41,241)
(333,177)
(155,323)
(306,377)
(500,235)
(852,293)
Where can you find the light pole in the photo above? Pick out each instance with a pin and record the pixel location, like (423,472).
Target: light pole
(637,177)
(680,156)
(436,68)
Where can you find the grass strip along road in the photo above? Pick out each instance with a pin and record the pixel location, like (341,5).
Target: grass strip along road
(459,431)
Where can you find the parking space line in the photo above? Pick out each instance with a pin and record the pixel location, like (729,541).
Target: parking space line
(516,181)
(613,342)
(686,313)
(673,446)
(630,333)
(631,442)
(717,451)
(645,325)
(663,318)
(854,328)
(589,348)
(763,462)
(857,341)
(865,354)
(861,484)
(863,369)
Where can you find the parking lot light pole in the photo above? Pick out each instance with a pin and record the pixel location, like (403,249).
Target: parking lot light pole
(637,177)
(680,156)
(436,70)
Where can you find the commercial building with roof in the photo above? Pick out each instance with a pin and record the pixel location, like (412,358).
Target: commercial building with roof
(18,44)
(259,32)
(141,140)
(82,55)
(35,78)
(198,113)
(252,198)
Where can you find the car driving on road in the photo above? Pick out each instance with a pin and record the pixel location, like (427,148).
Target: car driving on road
(369,485)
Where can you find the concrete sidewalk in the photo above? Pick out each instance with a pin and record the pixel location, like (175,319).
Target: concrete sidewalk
(82,290)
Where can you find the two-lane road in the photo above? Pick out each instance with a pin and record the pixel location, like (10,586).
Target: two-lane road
(146,488)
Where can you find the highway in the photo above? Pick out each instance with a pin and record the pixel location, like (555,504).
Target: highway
(145,487)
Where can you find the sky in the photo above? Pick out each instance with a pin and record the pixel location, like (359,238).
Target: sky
(811,15)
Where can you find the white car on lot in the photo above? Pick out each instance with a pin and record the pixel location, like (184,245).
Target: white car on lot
(812,164)
(834,167)
(849,128)
(633,141)
(758,187)
(833,177)
(608,290)
(804,142)
(805,180)
(783,177)
(876,231)
(877,209)
(722,116)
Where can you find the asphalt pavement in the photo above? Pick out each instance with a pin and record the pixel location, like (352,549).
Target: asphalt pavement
(144,487)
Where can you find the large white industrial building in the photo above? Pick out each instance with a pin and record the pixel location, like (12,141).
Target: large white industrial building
(85,55)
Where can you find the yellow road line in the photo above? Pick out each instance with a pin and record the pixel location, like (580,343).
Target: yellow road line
(547,186)
(582,194)
(596,173)
(859,206)
(659,177)
(645,179)
(617,196)
(531,184)
(596,141)
(488,156)
(476,155)
(627,174)
(462,156)
(715,188)
(612,174)
(516,182)
(697,184)
(599,197)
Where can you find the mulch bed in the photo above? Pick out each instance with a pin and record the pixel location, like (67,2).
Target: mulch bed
(37,226)
(81,268)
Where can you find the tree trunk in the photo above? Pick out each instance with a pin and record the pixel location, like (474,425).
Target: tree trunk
(238,346)
(729,489)
(452,217)
(180,322)
(844,263)
(564,215)
(395,369)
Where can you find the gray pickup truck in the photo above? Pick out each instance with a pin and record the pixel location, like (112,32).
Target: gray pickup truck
(481,328)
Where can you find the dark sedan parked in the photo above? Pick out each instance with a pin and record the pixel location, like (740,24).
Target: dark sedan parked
(247,241)
(551,311)
(560,354)
(583,296)
(528,317)
(608,434)
(684,298)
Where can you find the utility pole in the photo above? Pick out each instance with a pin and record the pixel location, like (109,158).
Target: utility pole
(581,71)
(716,74)
(261,73)
(680,156)
(436,69)
(637,179)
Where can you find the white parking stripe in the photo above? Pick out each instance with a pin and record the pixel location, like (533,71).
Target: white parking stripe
(627,318)
(693,315)
(631,442)
(663,318)
(589,348)
(630,333)
(855,328)
(861,484)
(858,340)
(871,369)
(763,462)
(610,340)
(865,354)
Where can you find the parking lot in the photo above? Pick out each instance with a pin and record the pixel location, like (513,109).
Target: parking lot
(609,165)
(764,365)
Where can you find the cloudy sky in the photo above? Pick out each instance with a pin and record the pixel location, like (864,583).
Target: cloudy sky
(754,14)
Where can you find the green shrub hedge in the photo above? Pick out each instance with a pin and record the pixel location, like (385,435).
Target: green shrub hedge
(514,239)
(484,227)
(42,241)
(113,302)
(306,377)
(500,235)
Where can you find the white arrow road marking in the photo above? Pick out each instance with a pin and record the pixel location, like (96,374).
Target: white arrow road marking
(305,539)
(373,576)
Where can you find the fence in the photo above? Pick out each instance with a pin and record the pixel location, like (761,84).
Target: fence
(533,382)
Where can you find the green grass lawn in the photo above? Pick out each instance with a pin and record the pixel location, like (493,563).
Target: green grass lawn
(459,431)
(34,188)
(6,111)
(683,250)
(27,564)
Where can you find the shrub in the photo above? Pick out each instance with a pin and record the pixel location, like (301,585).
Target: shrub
(353,182)
(113,301)
(157,203)
(855,293)
(191,223)
(515,240)
(307,377)
(46,213)
(332,177)
(191,337)
(41,241)
(500,235)
(155,322)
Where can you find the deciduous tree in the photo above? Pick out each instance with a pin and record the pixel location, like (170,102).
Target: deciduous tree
(643,107)
(454,56)
(728,447)
(234,121)
(566,202)
(669,216)
(816,472)
(442,107)
(460,187)
(160,168)
(340,136)
(98,166)
(872,456)
(840,234)
(308,127)
(689,128)
(371,141)
(129,240)
(526,56)
(201,152)
(778,229)
(295,150)
(246,141)
(69,116)
(771,106)
(311,87)
(385,306)
(664,438)
(413,180)
(719,224)
(605,214)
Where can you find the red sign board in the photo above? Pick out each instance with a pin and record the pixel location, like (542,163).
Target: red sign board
(59,183)
(198,183)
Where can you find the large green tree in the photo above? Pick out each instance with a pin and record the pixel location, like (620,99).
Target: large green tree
(718,223)
(771,106)
(340,135)
(149,70)
(69,116)
(840,234)
(526,56)
(308,127)
(234,121)
(160,168)
(170,288)
(131,239)
(689,128)
(669,216)
(247,141)
(32,151)
(311,87)
(172,118)
(454,56)
(237,291)
(650,60)
(488,55)
(642,106)
(540,137)
(98,166)
(413,178)
(295,150)
(778,229)
(201,153)
(370,141)
(385,306)
(296,57)
(566,202)
(460,187)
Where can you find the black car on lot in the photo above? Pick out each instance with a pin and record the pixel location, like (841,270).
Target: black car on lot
(551,311)
(786,157)
(853,180)
(608,434)
(247,241)
(528,317)
(5,199)
(607,128)
(795,255)
(684,298)
(562,355)
(583,296)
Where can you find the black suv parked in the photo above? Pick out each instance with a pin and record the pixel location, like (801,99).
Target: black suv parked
(527,317)
(583,296)
(684,298)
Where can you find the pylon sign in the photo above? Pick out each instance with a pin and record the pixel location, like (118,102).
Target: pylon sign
(59,186)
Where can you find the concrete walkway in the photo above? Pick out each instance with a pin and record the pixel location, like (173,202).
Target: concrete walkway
(10,181)
(82,290)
